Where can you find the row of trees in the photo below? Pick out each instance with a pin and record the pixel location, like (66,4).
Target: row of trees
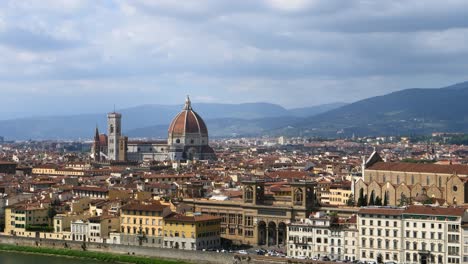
(364,200)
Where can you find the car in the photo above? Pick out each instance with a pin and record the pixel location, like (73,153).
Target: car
(301,257)
(243,252)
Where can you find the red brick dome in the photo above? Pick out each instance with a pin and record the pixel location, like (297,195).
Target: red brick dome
(188,122)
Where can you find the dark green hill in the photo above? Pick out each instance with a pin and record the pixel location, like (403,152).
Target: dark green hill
(410,111)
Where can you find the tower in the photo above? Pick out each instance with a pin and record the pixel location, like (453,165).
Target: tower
(254,191)
(303,195)
(114,121)
(97,146)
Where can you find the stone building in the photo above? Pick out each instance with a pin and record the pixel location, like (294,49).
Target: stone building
(260,218)
(400,182)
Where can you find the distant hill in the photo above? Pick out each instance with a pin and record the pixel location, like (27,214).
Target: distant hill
(153,120)
(411,111)
(315,110)
(406,112)
(225,127)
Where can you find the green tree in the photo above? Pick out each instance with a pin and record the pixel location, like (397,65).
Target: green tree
(372,199)
(385,202)
(378,201)
(350,201)
(361,199)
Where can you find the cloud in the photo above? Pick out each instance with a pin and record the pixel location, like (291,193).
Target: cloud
(295,52)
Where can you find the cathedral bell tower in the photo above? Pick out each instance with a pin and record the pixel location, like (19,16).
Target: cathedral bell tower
(114,121)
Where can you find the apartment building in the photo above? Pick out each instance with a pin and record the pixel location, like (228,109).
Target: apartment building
(414,234)
(192,232)
(142,223)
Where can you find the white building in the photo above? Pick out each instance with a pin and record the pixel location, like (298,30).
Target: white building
(308,238)
(79,230)
(415,234)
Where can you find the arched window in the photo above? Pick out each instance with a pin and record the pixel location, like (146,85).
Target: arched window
(398,179)
(248,194)
(298,196)
(428,181)
(440,182)
(412,179)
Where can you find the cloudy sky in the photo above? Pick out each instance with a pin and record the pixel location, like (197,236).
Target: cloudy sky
(80,56)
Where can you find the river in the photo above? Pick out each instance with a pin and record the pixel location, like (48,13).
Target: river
(21,258)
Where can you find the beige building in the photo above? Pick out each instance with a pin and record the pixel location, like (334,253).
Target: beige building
(23,220)
(192,232)
(399,182)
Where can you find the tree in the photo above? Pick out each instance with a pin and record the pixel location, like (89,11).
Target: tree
(378,201)
(361,199)
(334,219)
(350,201)
(385,202)
(372,198)
(404,200)
(51,213)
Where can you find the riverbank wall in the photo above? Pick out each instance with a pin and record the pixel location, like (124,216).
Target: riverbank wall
(198,257)
(162,253)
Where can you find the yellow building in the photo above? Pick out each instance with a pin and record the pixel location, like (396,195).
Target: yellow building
(24,220)
(142,223)
(193,232)
(340,195)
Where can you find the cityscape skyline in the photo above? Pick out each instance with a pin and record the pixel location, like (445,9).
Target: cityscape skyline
(57,55)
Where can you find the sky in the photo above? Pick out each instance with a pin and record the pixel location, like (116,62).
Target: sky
(83,56)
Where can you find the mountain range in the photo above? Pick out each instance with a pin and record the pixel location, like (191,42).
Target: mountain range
(152,121)
(415,111)
(410,111)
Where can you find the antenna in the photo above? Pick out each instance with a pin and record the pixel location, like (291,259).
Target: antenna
(114,108)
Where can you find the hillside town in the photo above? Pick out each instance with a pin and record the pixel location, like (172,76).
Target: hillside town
(374,200)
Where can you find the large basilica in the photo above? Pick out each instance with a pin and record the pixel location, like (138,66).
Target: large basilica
(187,140)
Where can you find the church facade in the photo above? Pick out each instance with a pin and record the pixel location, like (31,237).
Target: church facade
(187,140)
(400,183)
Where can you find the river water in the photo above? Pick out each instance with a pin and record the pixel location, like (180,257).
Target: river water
(21,258)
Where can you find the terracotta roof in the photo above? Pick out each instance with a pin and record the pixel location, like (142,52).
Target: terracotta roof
(188,121)
(103,140)
(381,211)
(414,209)
(193,218)
(144,207)
(90,188)
(417,167)
(431,210)
(7,163)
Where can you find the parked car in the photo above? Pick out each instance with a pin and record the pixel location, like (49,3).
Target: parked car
(243,252)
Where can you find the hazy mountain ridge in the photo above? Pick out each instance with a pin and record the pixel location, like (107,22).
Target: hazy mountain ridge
(247,118)
(405,112)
